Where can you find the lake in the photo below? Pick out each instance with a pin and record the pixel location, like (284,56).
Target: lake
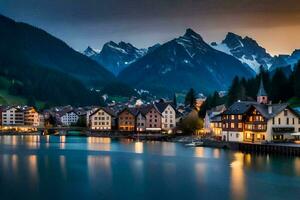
(53,167)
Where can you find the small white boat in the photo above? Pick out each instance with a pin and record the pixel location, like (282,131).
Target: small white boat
(194,144)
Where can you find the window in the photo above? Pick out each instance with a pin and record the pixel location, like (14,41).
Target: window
(293,120)
(273,121)
(279,121)
(287,120)
(240,125)
(240,117)
(232,117)
(285,112)
(231,125)
(237,135)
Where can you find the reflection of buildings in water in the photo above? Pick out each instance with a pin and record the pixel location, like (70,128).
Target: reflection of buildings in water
(297,166)
(138,169)
(14,163)
(216,153)
(33,170)
(138,147)
(99,166)
(200,171)
(62,142)
(62,163)
(98,143)
(238,177)
(199,152)
(32,141)
(168,149)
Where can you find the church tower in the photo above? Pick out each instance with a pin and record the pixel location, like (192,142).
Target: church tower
(262,96)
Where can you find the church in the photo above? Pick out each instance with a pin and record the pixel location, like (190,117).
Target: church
(259,121)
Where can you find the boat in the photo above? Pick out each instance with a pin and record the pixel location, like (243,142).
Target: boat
(194,144)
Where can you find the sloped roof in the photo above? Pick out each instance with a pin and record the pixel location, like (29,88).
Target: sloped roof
(105,109)
(162,105)
(244,106)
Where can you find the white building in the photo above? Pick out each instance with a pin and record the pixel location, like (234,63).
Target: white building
(168,119)
(12,116)
(68,118)
(102,119)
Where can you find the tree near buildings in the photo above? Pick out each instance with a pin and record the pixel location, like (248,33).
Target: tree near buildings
(190,98)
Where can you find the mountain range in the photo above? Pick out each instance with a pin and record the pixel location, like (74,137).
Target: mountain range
(189,56)
(40,66)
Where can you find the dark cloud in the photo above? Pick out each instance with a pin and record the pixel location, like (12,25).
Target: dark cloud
(92,22)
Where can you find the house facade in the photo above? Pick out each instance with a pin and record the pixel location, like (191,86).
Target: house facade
(127,119)
(31,117)
(68,118)
(102,119)
(153,119)
(12,116)
(168,115)
(248,121)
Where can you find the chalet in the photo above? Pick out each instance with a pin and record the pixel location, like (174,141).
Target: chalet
(248,121)
(102,119)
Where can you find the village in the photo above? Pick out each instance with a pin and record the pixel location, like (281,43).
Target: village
(244,121)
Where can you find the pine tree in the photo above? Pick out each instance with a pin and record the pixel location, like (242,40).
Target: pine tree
(175,101)
(190,98)
(296,80)
(280,87)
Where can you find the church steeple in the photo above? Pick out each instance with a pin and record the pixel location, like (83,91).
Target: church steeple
(262,96)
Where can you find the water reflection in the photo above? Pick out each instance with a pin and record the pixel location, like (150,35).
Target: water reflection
(297,166)
(216,153)
(200,171)
(99,166)
(62,142)
(138,147)
(62,163)
(168,149)
(237,177)
(33,170)
(100,144)
(199,152)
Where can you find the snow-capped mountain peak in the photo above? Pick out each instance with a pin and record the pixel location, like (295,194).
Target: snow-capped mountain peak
(246,49)
(89,51)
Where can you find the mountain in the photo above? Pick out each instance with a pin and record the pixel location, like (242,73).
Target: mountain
(39,66)
(116,56)
(247,50)
(183,63)
(36,47)
(90,51)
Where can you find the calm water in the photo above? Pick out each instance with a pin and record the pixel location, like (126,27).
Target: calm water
(34,167)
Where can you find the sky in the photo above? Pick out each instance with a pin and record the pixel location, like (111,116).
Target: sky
(274,24)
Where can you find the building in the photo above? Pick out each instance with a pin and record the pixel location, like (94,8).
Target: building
(31,117)
(250,121)
(210,114)
(127,119)
(141,119)
(12,116)
(168,115)
(68,118)
(216,126)
(102,119)
(153,119)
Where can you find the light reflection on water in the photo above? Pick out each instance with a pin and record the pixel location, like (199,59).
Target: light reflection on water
(93,166)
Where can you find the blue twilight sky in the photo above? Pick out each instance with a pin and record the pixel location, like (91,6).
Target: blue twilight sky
(275,24)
